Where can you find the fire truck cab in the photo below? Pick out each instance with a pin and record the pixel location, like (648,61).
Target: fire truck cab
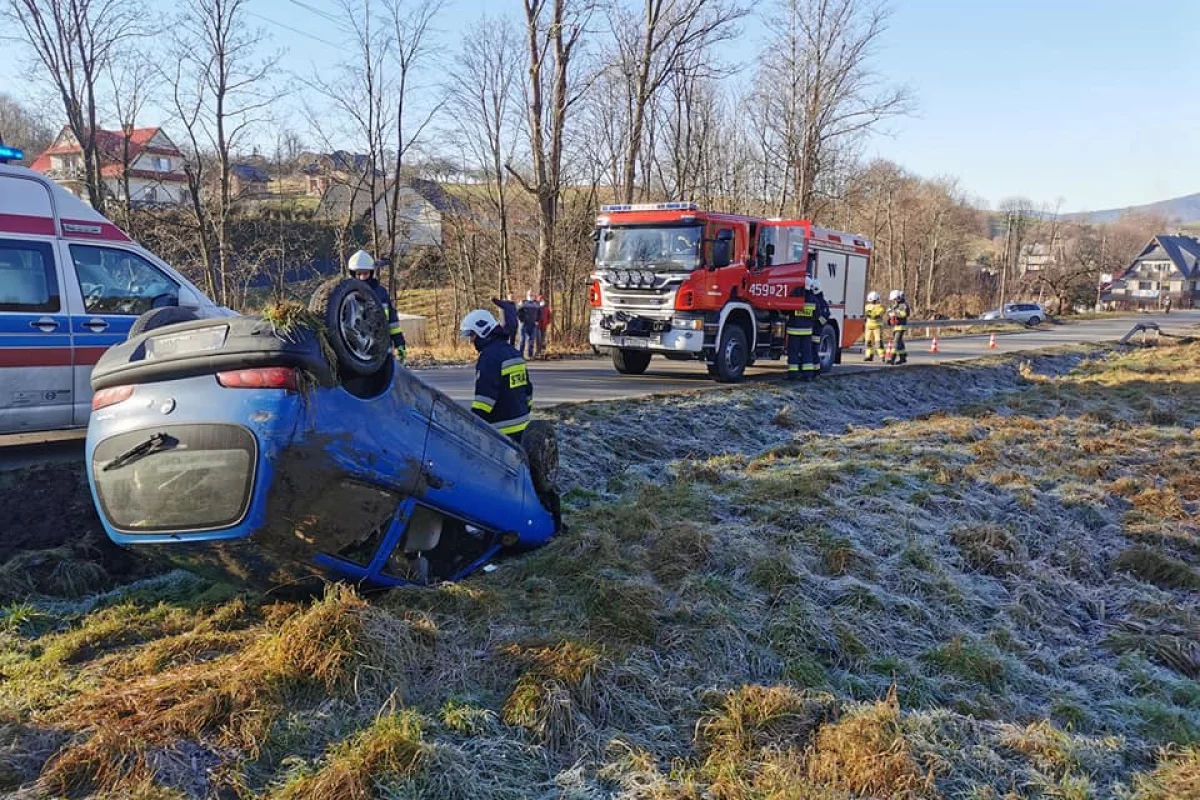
(694,285)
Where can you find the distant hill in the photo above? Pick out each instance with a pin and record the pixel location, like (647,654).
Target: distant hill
(1179,210)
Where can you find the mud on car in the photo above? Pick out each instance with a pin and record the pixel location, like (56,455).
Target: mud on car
(273,449)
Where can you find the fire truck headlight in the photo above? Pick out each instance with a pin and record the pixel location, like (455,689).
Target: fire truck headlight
(647,278)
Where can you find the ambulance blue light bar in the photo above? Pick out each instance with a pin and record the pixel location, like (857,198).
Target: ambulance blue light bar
(10,154)
(650,207)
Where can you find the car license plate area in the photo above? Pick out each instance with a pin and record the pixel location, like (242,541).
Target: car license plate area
(633,342)
(170,345)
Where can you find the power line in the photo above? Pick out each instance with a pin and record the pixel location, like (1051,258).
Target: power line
(316,11)
(293,30)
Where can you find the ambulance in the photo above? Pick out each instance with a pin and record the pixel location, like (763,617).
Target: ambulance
(72,284)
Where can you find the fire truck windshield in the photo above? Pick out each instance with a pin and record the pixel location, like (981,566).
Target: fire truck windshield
(674,247)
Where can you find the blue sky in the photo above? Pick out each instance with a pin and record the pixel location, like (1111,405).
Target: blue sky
(1093,103)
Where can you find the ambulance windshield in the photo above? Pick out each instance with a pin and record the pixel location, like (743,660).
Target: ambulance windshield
(674,247)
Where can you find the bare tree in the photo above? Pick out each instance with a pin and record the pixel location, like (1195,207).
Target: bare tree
(554,30)
(23,127)
(226,93)
(484,80)
(133,79)
(669,34)
(820,62)
(75,40)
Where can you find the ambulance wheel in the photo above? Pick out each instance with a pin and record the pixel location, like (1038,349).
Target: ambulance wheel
(356,325)
(541,449)
(827,348)
(732,355)
(162,317)
(631,362)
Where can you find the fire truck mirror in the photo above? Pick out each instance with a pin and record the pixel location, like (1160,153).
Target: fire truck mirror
(720,252)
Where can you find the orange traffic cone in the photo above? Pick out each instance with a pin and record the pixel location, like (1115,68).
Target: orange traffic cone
(992,342)
(933,346)
(888,352)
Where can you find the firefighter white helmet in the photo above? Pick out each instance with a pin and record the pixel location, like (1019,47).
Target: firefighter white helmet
(479,322)
(361,261)
(872,297)
(815,285)
(896,294)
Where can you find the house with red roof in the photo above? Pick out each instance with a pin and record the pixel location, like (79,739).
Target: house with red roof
(155,165)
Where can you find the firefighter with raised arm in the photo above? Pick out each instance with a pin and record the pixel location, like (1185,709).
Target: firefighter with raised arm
(503,393)
(874,313)
(819,320)
(362,266)
(898,319)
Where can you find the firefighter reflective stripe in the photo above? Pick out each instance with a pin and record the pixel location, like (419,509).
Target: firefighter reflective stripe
(874,313)
(484,404)
(515,370)
(392,331)
(793,367)
(809,367)
(510,426)
(797,331)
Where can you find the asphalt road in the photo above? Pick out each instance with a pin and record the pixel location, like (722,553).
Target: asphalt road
(579,380)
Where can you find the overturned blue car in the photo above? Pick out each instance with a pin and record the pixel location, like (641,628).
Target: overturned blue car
(284,447)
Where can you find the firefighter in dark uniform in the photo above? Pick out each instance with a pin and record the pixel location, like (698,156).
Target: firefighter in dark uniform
(362,266)
(503,393)
(819,319)
(802,363)
(898,319)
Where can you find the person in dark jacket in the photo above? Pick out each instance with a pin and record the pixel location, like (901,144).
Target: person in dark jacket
(508,311)
(529,314)
(503,392)
(362,266)
(819,319)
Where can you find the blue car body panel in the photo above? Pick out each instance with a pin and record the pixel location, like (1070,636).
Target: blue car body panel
(334,480)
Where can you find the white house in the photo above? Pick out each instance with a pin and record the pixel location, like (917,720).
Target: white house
(155,165)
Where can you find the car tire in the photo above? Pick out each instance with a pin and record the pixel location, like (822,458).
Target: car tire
(732,355)
(356,325)
(162,317)
(1034,321)
(827,347)
(631,362)
(541,449)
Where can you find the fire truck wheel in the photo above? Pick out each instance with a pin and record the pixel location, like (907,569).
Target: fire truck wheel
(732,354)
(631,362)
(827,348)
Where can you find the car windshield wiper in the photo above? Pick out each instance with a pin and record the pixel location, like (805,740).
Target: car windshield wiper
(159,441)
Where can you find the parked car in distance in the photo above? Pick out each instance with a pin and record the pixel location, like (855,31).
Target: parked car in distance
(71,286)
(273,450)
(1029,313)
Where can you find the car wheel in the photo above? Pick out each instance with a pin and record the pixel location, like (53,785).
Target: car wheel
(162,317)
(356,324)
(631,362)
(1034,321)
(732,354)
(827,348)
(541,448)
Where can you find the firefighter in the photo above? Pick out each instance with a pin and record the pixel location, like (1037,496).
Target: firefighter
(503,393)
(819,319)
(874,313)
(802,364)
(362,266)
(898,319)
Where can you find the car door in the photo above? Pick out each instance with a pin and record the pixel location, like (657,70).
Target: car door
(115,287)
(35,340)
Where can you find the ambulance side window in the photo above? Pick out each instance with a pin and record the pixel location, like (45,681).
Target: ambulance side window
(119,282)
(28,283)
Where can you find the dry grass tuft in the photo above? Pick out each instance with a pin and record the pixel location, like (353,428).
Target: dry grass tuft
(865,753)
(392,747)
(556,691)
(1176,777)
(991,549)
(1153,566)
(970,661)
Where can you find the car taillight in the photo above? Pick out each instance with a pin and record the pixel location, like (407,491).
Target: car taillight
(261,378)
(110,396)
(594,294)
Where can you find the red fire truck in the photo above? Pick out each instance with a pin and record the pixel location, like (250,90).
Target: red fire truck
(694,285)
